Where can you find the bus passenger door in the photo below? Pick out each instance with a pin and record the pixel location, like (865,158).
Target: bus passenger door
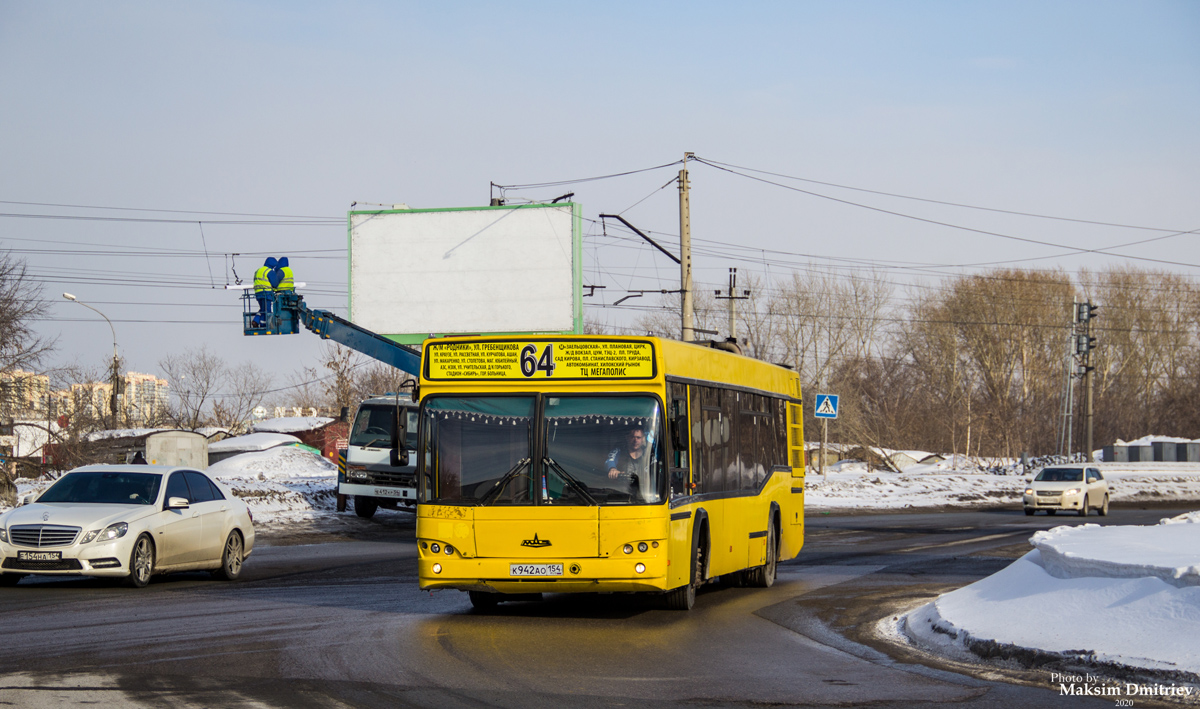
(794,418)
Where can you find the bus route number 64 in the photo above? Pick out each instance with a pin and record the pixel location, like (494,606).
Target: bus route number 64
(531,364)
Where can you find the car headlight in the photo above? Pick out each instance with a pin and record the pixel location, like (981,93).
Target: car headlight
(111,532)
(1028,491)
(1072,491)
(3,535)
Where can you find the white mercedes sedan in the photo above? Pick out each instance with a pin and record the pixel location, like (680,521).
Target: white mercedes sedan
(128,522)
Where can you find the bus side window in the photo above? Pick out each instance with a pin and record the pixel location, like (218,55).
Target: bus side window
(699,453)
(680,434)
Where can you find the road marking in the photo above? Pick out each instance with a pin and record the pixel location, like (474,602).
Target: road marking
(961,541)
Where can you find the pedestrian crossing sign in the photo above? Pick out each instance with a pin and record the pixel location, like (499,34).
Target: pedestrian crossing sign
(827,406)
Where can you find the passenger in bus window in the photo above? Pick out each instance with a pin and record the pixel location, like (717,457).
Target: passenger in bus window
(629,459)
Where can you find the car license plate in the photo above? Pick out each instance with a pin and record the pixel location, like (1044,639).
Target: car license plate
(535,569)
(39,555)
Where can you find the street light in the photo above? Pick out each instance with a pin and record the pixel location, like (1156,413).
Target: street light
(116,363)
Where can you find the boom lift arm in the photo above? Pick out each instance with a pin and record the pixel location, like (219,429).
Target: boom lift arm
(290,313)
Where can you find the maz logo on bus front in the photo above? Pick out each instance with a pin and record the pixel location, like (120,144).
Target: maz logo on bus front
(531,364)
(535,542)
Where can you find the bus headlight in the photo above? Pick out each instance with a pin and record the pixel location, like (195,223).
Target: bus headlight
(435,547)
(628,549)
(437,568)
(449,550)
(642,547)
(640,568)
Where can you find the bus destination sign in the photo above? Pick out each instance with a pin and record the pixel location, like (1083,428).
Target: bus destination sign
(540,359)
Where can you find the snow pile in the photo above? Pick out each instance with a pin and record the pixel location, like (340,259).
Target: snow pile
(1116,596)
(291,424)
(281,485)
(1170,552)
(252,442)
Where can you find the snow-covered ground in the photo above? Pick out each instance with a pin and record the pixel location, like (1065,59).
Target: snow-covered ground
(850,486)
(283,482)
(288,488)
(1118,596)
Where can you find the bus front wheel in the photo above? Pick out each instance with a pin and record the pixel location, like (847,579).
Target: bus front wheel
(684,597)
(483,600)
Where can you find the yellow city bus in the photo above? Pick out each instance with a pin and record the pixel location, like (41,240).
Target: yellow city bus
(599,464)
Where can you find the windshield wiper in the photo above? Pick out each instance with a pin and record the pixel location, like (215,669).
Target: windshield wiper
(562,472)
(499,485)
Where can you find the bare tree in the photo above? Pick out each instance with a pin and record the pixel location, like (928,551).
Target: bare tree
(344,379)
(1147,351)
(990,346)
(205,391)
(21,303)
(245,388)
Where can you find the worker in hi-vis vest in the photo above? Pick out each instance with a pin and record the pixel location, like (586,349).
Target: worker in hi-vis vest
(263,291)
(288,282)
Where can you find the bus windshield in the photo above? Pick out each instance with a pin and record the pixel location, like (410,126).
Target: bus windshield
(594,450)
(473,445)
(610,444)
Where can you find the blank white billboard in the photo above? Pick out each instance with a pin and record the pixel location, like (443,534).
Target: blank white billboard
(484,270)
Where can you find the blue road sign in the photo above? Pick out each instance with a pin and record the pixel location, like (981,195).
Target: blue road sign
(827,406)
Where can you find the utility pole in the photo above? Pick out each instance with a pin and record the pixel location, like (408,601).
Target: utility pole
(1085,344)
(687,332)
(732,297)
(1065,441)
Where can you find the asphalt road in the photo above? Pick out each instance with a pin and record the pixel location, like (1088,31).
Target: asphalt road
(339,621)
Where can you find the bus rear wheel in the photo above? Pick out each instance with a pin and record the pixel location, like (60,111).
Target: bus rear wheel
(764,576)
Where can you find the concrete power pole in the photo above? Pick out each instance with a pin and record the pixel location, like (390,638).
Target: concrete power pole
(687,331)
(731,297)
(1089,372)
(1085,315)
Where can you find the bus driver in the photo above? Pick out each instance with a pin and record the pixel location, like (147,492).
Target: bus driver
(629,460)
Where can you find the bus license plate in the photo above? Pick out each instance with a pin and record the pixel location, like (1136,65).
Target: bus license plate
(535,569)
(39,555)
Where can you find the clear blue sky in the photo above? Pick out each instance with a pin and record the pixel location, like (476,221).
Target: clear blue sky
(1086,110)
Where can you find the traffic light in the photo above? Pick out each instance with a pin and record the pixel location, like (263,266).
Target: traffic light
(1083,344)
(1085,311)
